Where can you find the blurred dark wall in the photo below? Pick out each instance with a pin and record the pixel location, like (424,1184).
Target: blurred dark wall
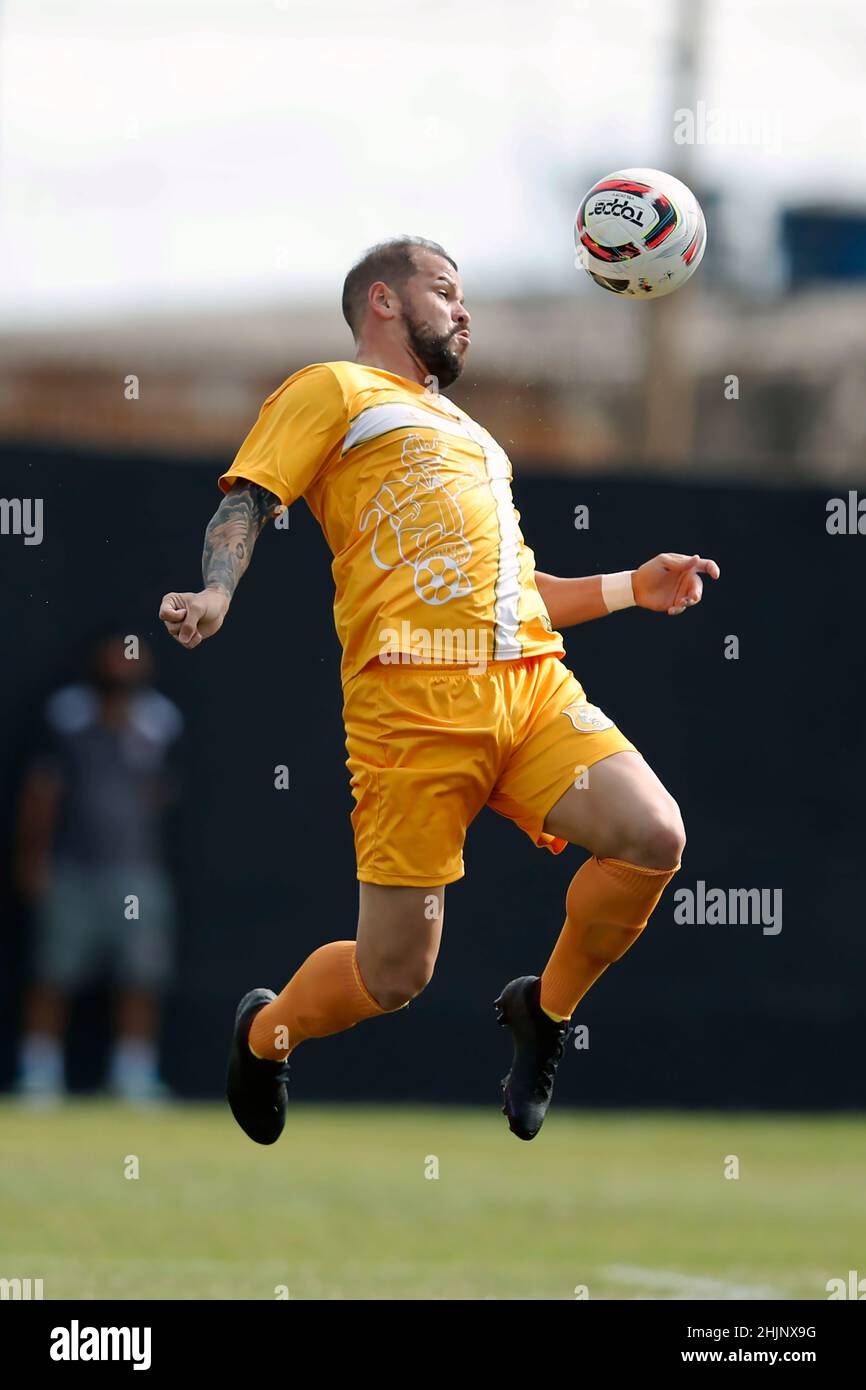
(765,754)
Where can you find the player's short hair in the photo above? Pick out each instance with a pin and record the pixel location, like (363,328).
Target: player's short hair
(392,261)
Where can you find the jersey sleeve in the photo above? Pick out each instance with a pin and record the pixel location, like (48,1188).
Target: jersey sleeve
(298,428)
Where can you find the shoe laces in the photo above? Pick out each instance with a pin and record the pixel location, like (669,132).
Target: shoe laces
(548,1070)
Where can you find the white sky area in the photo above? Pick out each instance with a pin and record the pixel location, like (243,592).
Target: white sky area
(156,154)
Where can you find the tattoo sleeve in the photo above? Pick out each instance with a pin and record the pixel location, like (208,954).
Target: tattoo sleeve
(232,532)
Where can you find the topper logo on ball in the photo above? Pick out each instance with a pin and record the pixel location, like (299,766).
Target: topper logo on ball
(639,233)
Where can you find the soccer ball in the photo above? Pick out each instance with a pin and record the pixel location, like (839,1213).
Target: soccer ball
(640,232)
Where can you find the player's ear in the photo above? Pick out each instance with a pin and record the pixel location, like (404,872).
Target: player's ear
(381,300)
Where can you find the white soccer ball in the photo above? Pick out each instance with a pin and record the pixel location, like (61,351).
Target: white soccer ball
(640,233)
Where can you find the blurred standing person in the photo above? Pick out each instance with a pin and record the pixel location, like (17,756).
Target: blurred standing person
(90,863)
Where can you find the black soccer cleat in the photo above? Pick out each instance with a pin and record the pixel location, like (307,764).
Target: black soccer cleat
(538,1046)
(256,1087)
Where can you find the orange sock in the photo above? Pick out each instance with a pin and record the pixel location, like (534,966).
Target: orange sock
(607,907)
(326,995)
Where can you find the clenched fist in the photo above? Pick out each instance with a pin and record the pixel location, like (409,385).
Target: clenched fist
(190,618)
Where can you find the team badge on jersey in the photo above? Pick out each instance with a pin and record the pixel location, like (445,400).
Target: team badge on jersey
(588,719)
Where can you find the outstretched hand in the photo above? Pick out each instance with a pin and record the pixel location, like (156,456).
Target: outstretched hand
(672,583)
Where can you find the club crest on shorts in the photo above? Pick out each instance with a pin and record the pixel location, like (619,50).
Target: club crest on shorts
(587,719)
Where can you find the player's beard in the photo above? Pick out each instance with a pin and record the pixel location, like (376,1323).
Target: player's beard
(435,351)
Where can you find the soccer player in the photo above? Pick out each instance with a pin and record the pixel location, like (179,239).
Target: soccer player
(455,695)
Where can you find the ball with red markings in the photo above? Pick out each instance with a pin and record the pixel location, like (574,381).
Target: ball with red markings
(639,233)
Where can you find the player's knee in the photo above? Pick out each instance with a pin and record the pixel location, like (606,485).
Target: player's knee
(394,983)
(664,837)
(657,839)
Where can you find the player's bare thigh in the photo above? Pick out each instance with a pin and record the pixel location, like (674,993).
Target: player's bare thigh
(399,931)
(624,812)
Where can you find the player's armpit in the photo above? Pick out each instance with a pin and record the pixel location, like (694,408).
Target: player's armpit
(232,532)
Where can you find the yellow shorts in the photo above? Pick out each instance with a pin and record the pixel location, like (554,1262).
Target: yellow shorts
(428,748)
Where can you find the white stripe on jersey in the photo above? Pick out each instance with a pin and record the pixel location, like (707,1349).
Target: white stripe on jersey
(382,419)
(506,646)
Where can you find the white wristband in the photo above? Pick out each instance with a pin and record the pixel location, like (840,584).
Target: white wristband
(617,591)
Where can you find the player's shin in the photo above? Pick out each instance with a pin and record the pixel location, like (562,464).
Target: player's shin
(608,904)
(326,995)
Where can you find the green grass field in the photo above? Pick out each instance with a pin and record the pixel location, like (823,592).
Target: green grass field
(632,1206)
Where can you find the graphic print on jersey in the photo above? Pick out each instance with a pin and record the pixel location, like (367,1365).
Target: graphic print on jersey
(417,522)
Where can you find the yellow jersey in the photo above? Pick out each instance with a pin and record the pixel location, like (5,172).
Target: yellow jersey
(414,499)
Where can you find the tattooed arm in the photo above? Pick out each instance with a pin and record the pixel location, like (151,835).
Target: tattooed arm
(231,534)
(228,546)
